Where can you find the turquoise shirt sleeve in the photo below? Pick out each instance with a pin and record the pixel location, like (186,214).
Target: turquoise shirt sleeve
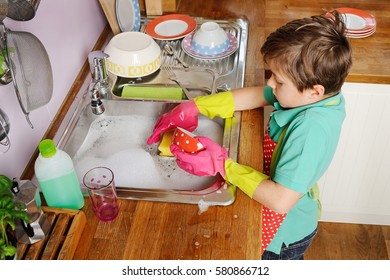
(269,95)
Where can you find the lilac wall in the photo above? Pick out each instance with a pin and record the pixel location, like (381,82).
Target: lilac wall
(68,30)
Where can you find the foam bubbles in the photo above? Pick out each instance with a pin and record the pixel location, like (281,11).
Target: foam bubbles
(119,143)
(203,206)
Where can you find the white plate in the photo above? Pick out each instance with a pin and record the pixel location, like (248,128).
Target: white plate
(128,15)
(357,21)
(354,22)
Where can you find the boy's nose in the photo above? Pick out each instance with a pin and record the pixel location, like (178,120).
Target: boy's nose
(271,82)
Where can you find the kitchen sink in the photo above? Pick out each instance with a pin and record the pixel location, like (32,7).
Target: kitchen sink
(117,138)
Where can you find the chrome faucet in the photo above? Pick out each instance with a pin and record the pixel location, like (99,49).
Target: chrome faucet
(96,101)
(99,87)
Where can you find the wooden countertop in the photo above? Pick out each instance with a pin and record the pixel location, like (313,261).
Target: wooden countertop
(156,230)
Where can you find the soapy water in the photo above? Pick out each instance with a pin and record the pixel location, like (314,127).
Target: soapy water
(119,143)
(203,206)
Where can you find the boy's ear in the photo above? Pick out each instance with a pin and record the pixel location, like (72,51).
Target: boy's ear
(316,92)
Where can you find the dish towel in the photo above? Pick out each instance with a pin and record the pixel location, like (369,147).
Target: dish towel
(271,220)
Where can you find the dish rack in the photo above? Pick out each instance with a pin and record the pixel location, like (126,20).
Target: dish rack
(203,76)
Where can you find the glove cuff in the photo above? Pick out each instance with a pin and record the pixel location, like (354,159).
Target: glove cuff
(244,177)
(220,104)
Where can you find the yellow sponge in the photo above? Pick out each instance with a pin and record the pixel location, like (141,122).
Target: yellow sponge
(153,92)
(164,147)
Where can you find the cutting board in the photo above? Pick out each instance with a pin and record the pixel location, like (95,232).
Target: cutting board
(108,7)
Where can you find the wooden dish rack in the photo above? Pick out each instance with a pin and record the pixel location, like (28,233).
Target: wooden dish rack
(62,239)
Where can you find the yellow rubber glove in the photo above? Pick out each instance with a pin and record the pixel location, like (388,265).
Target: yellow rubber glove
(244,177)
(220,104)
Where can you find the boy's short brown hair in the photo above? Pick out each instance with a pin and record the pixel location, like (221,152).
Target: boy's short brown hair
(311,51)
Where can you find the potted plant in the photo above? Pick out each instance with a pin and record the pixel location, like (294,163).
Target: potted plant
(10,210)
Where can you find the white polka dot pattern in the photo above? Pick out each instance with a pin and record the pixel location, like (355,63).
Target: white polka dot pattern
(271,220)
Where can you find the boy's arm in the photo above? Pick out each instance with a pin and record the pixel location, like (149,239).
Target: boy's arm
(260,187)
(276,196)
(249,98)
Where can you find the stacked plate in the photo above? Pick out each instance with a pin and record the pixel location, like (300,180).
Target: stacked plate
(179,26)
(359,23)
(188,48)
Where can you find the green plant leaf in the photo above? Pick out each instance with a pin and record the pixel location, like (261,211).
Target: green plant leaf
(11,224)
(9,250)
(5,182)
(20,215)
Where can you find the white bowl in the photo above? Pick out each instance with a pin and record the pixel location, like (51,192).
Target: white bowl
(210,39)
(132,55)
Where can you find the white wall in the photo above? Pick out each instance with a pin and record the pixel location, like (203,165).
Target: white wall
(356,187)
(68,30)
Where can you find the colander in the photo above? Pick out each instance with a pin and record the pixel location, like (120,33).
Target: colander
(5,143)
(22,10)
(32,75)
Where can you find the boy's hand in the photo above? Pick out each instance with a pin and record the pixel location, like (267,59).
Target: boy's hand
(207,162)
(184,115)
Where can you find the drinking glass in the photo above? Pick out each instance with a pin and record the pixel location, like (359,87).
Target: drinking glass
(102,192)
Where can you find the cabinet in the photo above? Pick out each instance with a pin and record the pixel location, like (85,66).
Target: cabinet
(356,187)
(157,7)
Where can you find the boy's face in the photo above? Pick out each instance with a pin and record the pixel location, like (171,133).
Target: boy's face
(286,92)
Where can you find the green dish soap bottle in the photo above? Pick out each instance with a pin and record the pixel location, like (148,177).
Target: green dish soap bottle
(57,177)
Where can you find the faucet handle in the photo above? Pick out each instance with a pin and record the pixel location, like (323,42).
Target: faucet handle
(96,56)
(97,65)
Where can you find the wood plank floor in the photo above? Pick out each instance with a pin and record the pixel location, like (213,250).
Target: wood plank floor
(341,241)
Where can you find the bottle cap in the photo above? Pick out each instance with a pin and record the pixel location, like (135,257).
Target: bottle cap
(47,148)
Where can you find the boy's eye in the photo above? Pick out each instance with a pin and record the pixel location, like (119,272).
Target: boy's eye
(276,79)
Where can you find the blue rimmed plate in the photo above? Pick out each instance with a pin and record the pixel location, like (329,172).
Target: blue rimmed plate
(187,48)
(128,15)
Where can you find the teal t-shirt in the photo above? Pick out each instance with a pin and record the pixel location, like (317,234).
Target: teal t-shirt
(306,152)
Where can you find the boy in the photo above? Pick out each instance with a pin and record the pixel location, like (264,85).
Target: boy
(309,59)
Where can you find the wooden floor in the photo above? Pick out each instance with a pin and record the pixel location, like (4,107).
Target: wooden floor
(339,241)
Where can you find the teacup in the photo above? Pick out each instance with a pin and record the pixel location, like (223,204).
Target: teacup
(185,141)
(210,39)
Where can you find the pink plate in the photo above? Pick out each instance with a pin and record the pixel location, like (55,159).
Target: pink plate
(357,21)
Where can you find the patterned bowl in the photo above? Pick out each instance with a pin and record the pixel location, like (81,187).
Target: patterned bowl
(132,55)
(210,39)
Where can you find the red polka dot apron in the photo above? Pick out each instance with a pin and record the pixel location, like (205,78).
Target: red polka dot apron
(271,220)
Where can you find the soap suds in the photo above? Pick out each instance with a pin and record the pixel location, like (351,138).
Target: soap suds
(203,206)
(119,143)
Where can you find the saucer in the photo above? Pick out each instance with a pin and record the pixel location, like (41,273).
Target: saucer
(187,48)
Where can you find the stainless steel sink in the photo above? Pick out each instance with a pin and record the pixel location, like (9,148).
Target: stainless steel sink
(117,138)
